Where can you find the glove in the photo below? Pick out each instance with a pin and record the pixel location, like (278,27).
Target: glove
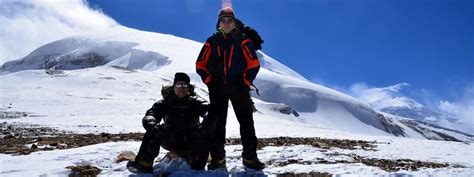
(149,123)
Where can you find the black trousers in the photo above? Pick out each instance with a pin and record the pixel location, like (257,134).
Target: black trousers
(192,142)
(239,95)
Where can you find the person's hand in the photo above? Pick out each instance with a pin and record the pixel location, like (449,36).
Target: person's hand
(149,123)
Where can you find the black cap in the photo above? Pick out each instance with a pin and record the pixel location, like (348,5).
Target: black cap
(179,76)
(226,12)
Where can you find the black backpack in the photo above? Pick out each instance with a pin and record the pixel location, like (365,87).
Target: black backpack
(251,33)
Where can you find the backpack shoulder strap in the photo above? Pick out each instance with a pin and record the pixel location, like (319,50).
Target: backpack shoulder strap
(191,90)
(213,38)
(166,90)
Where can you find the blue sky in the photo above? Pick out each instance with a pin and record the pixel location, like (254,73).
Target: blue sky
(426,43)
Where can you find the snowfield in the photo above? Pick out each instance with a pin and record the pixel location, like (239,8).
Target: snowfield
(53,163)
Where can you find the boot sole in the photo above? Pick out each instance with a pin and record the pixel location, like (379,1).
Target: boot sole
(133,169)
(136,170)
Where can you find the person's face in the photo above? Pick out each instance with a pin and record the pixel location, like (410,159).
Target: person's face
(227,24)
(181,89)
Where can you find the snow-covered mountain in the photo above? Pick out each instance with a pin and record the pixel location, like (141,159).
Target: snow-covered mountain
(393,101)
(93,66)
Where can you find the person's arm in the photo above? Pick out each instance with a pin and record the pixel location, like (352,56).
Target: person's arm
(154,115)
(253,65)
(209,122)
(201,107)
(202,60)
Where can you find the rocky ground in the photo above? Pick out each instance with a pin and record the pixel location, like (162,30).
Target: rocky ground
(22,139)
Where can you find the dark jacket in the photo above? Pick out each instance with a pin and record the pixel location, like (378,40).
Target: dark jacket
(178,113)
(228,58)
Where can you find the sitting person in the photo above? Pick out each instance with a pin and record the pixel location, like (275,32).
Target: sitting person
(181,132)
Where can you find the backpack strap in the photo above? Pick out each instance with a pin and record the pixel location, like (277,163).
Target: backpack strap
(214,38)
(166,90)
(256,89)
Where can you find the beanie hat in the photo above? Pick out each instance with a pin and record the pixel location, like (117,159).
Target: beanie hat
(226,12)
(181,77)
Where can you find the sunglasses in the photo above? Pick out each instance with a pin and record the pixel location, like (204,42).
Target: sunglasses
(181,85)
(226,21)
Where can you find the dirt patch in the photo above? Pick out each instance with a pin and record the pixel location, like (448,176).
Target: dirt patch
(389,165)
(315,142)
(400,164)
(20,139)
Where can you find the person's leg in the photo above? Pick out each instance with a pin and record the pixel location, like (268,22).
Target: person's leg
(218,109)
(243,108)
(199,148)
(189,145)
(242,105)
(149,150)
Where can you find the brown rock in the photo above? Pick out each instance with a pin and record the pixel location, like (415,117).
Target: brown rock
(84,171)
(125,156)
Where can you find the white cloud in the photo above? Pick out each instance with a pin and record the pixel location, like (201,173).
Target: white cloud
(462,108)
(28,24)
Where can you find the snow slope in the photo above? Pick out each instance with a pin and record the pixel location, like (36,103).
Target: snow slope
(106,82)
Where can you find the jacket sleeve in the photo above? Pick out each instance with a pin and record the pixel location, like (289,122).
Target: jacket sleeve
(253,65)
(202,60)
(158,111)
(208,123)
(201,108)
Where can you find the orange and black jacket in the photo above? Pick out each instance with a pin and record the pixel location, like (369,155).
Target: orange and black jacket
(228,58)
